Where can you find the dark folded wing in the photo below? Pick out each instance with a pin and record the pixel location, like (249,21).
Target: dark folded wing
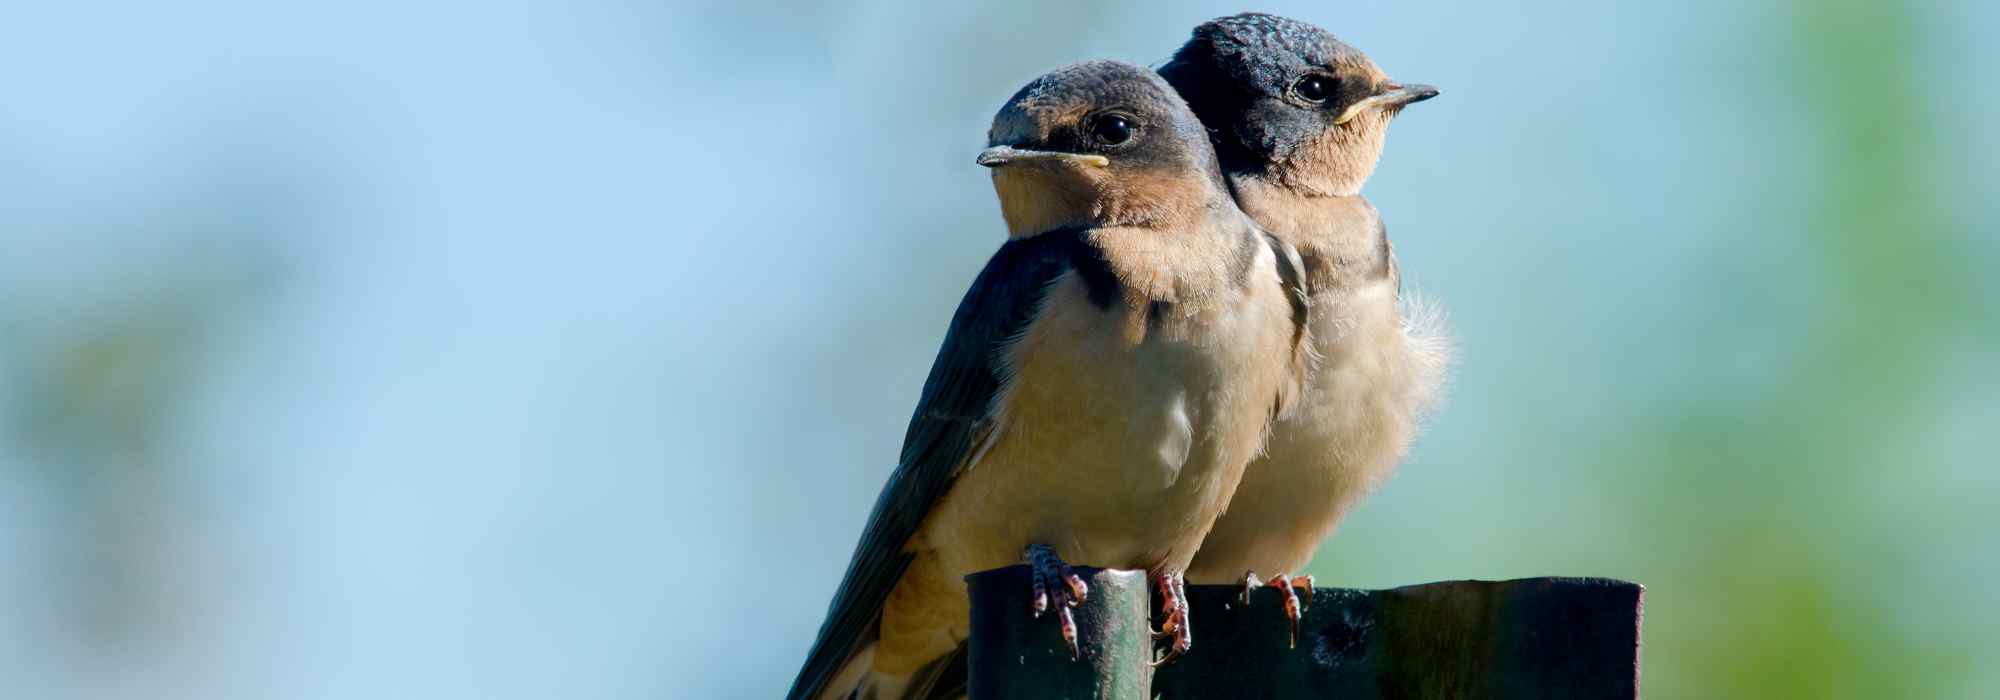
(1292,274)
(950,422)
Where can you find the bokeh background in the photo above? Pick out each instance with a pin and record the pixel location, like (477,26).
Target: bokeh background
(557,349)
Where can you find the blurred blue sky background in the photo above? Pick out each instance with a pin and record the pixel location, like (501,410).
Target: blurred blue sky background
(488,349)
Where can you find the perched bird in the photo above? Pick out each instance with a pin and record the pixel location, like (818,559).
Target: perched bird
(1298,120)
(1100,390)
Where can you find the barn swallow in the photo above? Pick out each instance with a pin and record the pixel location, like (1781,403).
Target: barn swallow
(1101,388)
(1298,120)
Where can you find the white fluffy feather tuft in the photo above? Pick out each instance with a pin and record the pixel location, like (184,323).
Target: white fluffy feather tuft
(1433,353)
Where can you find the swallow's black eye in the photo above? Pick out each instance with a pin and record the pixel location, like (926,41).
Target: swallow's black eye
(1111,130)
(1313,88)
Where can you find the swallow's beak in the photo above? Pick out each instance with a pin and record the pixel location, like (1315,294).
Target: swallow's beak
(1391,96)
(998,156)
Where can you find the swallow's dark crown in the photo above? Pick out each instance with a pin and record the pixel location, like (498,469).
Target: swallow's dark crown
(1257,51)
(1235,73)
(1045,113)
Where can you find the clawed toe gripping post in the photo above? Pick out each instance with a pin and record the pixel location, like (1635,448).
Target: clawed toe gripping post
(1046,567)
(1289,588)
(1174,609)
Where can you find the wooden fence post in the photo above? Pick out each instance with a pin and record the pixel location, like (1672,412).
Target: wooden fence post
(1012,656)
(1527,638)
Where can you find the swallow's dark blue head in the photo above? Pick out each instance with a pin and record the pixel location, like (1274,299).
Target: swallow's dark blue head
(1286,100)
(1100,143)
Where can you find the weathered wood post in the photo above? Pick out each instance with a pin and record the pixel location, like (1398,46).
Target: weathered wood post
(1012,656)
(1527,638)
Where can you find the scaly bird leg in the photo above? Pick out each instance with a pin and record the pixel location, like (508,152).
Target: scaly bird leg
(1169,621)
(1306,591)
(1173,604)
(1294,608)
(1292,613)
(1046,567)
(1250,584)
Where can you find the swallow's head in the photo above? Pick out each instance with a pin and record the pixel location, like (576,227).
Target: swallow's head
(1100,143)
(1286,100)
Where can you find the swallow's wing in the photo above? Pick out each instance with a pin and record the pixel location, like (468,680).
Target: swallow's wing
(1292,274)
(1292,280)
(951,421)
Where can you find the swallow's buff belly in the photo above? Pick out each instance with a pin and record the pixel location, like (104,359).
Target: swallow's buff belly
(1115,453)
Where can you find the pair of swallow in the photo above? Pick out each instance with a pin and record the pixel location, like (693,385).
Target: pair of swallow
(1190,356)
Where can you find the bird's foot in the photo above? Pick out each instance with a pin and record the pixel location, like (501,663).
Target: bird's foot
(1068,591)
(1289,588)
(1174,609)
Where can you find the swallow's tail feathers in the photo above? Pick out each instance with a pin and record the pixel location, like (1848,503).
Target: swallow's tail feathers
(847,683)
(876,685)
(941,679)
(952,419)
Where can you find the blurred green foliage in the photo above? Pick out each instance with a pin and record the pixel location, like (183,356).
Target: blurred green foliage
(99,397)
(1769,571)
